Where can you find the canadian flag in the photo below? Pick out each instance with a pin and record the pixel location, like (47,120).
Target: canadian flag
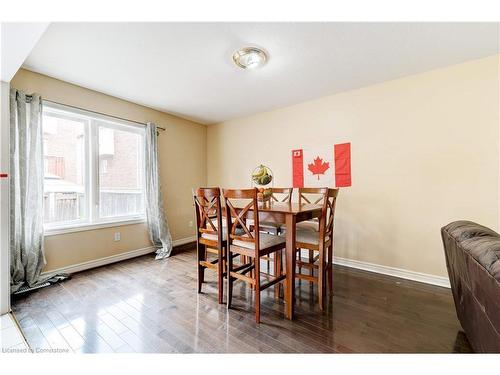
(322,167)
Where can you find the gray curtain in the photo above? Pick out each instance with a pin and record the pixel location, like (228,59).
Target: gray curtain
(26,189)
(157,222)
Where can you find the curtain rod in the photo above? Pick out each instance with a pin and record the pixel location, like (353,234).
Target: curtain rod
(99,113)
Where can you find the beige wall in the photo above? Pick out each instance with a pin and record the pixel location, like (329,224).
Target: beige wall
(182,151)
(425,151)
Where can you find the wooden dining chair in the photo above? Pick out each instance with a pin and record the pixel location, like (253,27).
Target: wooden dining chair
(211,235)
(320,242)
(252,245)
(312,196)
(279,195)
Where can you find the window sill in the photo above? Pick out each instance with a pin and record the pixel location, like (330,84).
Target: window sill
(86,227)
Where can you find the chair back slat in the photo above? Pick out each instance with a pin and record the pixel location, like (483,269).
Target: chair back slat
(331,201)
(236,218)
(312,195)
(239,218)
(208,212)
(282,194)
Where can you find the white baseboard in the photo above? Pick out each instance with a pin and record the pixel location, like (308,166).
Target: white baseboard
(183,241)
(396,272)
(114,258)
(101,261)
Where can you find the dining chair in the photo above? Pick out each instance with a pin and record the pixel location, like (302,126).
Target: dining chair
(312,196)
(280,195)
(211,235)
(320,242)
(251,244)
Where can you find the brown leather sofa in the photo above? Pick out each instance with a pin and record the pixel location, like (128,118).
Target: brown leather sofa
(473,262)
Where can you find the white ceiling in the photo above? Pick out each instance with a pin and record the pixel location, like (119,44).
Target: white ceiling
(16,42)
(186,68)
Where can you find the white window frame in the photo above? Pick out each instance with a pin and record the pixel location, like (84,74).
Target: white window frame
(91,174)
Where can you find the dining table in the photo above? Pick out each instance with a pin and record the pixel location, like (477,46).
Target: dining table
(288,213)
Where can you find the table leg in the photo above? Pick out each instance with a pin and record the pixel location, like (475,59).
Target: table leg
(290,265)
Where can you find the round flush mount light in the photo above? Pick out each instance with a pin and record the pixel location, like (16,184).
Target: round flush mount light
(249,57)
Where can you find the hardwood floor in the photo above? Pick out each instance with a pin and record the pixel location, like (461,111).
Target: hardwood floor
(143,305)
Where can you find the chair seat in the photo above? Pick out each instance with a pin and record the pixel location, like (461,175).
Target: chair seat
(214,237)
(264,224)
(216,224)
(312,225)
(266,241)
(306,236)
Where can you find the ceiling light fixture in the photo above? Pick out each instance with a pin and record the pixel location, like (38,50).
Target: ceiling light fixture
(249,57)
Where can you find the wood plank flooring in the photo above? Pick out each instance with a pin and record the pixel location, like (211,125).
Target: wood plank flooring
(147,306)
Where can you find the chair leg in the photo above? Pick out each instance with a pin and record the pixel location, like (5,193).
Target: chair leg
(224,260)
(257,289)
(248,259)
(282,286)
(229,279)
(330,267)
(277,273)
(280,271)
(299,255)
(321,279)
(274,232)
(220,276)
(311,270)
(201,269)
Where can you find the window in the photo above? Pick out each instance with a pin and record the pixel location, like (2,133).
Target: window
(120,178)
(94,169)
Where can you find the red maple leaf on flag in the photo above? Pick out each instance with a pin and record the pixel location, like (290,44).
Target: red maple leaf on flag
(318,167)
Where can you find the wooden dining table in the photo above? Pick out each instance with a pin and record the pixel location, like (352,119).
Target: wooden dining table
(289,214)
